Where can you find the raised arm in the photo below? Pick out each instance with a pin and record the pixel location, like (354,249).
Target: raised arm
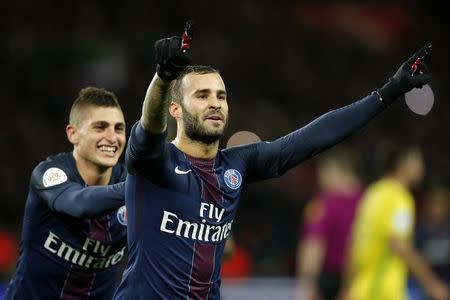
(154,109)
(146,144)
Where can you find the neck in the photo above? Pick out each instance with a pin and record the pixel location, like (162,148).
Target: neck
(196,149)
(91,173)
(402,179)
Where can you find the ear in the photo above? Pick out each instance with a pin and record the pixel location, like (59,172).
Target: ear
(175,110)
(72,134)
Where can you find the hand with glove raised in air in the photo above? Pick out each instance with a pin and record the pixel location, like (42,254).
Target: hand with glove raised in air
(170,54)
(171,59)
(413,73)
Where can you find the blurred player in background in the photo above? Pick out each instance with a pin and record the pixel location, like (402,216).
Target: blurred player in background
(382,249)
(73,235)
(182,196)
(432,236)
(327,224)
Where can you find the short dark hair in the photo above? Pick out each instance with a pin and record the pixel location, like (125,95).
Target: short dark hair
(176,89)
(393,154)
(91,96)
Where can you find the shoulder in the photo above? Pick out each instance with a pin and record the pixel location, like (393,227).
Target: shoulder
(54,170)
(397,193)
(387,196)
(241,151)
(382,188)
(376,198)
(244,147)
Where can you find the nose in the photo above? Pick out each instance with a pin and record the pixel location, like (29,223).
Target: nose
(110,135)
(215,103)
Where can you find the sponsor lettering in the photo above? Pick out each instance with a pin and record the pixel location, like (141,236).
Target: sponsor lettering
(171,223)
(81,257)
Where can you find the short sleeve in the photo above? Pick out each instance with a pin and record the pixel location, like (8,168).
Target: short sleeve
(402,221)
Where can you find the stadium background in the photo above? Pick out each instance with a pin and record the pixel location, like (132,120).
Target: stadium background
(284,63)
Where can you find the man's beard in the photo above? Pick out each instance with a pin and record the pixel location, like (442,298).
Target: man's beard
(196,132)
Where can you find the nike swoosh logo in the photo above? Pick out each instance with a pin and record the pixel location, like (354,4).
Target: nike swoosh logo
(178,171)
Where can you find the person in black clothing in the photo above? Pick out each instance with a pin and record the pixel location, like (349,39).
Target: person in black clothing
(74,227)
(182,196)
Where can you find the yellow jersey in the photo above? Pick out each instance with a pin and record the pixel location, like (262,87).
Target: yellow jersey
(386,210)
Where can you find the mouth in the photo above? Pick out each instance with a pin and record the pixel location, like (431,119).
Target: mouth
(214,117)
(108,150)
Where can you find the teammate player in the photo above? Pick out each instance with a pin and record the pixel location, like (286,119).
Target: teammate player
(73,234)
(382,250)
(182,196)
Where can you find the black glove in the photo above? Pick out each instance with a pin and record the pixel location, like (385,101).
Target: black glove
(413,73)
(170,54)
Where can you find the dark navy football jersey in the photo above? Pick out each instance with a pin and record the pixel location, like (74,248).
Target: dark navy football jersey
(181,209)
(65,254)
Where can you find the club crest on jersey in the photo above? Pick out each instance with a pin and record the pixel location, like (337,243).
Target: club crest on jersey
(233,178)
(53,176)
(122,215)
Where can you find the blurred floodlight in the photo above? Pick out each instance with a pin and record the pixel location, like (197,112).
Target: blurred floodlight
(242,138)
(420,101)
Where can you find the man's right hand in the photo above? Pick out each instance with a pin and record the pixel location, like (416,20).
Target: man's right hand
(170,55)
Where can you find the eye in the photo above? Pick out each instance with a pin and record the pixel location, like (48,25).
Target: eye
(98,127)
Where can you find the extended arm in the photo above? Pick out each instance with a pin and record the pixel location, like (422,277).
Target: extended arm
(54,185)
(71,198)
(273,159)
(419,268)
(88,202)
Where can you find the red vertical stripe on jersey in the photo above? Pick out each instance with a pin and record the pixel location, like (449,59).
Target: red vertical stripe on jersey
(210,183)
(202,270)
(203,262)
(78,284)
(100,229)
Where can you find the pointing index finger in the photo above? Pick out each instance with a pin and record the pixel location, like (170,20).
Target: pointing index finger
(424,51)
(419,56)
(187,37)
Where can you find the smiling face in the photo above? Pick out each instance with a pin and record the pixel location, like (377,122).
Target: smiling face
(99,136)
(204,107)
